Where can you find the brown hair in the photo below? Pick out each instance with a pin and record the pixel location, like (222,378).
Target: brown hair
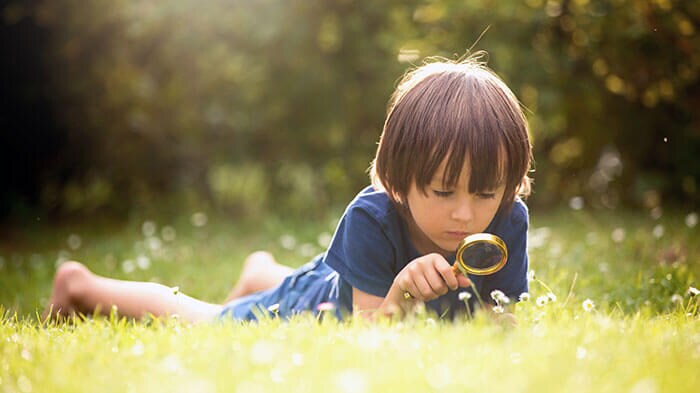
(461,111)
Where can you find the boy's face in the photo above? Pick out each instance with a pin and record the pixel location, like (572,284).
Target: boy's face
(444,217)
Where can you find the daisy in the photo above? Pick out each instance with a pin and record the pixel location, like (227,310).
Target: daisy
(464,296)
(588,305)
(524,297)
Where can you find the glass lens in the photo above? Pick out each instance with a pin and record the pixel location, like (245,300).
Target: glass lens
(482,255)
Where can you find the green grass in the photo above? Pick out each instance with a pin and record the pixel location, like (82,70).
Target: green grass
(642,336)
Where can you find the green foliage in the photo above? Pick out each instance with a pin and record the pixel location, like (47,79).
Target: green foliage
(160,96)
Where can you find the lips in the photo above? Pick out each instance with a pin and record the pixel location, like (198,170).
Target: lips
(458,234)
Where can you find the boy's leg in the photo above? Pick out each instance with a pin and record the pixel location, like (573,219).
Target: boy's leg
(260,272)
(78,290)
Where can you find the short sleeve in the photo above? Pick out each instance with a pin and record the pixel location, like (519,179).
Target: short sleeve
(362,253)
(512,279)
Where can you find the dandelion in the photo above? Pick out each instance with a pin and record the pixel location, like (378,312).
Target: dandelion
(288,242)
(618,235)
(464,296)
(542,300)
(658,231)
(350,381)
(199,219)
(137,349)
(581,352)
(24,384)
(576,203)
(551,297)
(307,250)
(168,233)
(530,275)
(524,297)
(497,294)
(74,242)
(148,228)
(499,297)
(143,262)
(691,220)
(154,244)
(128,266)
(297,359)
(588,305)
(324,239)
(498,309)
(693,291)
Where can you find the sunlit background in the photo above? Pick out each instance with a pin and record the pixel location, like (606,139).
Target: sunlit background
(247,107)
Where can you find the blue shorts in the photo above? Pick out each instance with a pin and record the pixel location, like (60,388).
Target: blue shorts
(302,291)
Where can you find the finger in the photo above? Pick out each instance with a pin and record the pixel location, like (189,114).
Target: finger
(447,273)
(423,288)
(463,281)
(436,281)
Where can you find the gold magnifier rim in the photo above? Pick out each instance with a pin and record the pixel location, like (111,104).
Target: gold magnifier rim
(478,238)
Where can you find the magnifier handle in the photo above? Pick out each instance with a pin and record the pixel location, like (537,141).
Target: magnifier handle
(455,269)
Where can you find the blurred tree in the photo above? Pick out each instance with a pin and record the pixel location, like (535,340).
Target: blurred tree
(249,105)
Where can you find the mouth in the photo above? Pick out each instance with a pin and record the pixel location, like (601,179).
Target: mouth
(457,234)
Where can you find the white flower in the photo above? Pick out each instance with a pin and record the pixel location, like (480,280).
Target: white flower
(499,297)
(498,309)
(676,298)
(551,297)
(274,308)
(530,275)
(588,305)
(542,300)
(658,231)
(691,220)
(693,291)
(148,228)
(618,235)
(524,297)
(576,203)
(464,296)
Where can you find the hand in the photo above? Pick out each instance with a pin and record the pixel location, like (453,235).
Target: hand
(428,277)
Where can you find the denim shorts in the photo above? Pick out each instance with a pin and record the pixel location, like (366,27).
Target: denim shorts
(302,291)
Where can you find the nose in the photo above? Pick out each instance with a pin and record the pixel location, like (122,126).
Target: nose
(463,210)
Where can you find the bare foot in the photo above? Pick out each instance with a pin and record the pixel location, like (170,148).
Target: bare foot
(68,283)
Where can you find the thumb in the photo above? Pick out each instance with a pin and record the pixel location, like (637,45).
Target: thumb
(463,281)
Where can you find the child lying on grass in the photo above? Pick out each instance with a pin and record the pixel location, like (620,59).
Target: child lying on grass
(452,160)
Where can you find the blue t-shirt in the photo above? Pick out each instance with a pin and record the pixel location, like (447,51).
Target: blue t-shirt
(370,247)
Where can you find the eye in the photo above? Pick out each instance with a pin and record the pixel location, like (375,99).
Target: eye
(442,194)
(486,195)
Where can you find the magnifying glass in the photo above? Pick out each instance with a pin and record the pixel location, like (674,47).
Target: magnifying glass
(479,254)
